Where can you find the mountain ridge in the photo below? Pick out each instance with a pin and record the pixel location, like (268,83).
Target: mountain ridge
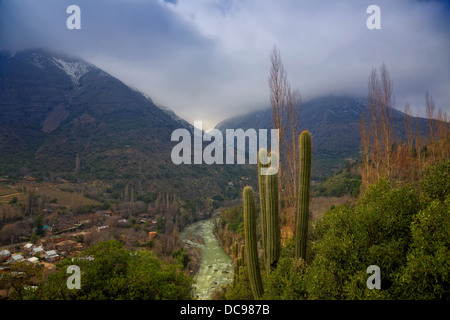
(333,122)
(63,117)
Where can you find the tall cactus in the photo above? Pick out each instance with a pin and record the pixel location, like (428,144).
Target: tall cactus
(262,163)
(251,244)
(268,190)
(273,229)
(303,195)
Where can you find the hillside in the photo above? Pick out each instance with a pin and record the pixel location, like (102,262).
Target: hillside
(333,123)
(62,117)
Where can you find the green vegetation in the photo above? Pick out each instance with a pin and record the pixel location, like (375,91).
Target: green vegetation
(233,219)
(115,273)
(346,181)
(403,229)
(181,256)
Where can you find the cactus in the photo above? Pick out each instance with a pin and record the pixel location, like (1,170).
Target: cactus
(303,195)
(273,230)
(238,261)
(251,244)
(235,250)
(268,190)
(262,157)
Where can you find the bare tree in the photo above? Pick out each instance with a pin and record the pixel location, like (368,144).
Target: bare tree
(442,134)
(430,109)
(364,131)
(278,88)
(419,143)
(285,114)
(385,97)
(373,84)
(376,135)
(408,126)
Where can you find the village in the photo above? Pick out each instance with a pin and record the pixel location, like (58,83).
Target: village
(55,244)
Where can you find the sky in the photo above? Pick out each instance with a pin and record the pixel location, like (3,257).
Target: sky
(208,60)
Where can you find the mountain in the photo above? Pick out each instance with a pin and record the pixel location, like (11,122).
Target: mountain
(333,122)
(61,116)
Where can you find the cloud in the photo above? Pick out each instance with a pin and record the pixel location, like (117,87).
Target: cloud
(209,59)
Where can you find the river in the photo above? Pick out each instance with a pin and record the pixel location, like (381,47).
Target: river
(216,269)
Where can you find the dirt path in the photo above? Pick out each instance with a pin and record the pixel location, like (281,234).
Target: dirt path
(11,194)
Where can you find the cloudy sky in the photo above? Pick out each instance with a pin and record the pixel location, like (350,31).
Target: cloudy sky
(209,59)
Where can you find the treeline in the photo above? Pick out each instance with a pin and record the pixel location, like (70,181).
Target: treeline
(383,154)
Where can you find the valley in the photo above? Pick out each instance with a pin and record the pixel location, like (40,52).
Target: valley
(91,167)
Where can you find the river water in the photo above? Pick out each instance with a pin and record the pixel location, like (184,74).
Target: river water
(216,268)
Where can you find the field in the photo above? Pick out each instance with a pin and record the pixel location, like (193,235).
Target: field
(61,192)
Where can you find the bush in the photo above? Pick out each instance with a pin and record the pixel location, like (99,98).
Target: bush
(403,230)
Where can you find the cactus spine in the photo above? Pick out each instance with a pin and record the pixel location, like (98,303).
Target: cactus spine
(251,244)
(273,230)
(303,195)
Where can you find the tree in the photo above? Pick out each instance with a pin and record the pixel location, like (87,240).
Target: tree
(182,257)
(286,105)
(376,135)
(39,225)
(9,232)
(19,278)
(430,109)
(404,230)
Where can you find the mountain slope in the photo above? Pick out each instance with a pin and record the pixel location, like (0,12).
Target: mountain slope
(333,122)
(62,116)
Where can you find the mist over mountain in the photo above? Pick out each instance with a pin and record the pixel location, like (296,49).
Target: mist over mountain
(61,116)
(333,122)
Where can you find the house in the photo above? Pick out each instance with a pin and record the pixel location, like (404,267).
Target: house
(28,247)
(51,256)
(37,250)
(16,257)
(152,235)
(4,255)
(101,228)
(33,260)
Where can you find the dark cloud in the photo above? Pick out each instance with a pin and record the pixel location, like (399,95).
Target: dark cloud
(208,60)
